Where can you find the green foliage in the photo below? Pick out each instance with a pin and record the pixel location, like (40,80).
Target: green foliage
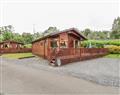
(113,56)
(6,33)
(96,35)
(86,32)
(50,30)
(28,46)
(113,49)
(112,45)
(27,37)
(37,35)
(100,43)
(18,55)
(1,37)
(17,37)
(116,29)
(8,36)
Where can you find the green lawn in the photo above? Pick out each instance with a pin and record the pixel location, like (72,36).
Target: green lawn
(18,55)
(113,56)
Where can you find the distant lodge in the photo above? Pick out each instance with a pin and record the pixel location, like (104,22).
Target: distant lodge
(10,44)
(12,47)
(64,47)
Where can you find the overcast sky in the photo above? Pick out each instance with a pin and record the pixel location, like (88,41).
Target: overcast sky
(64,14)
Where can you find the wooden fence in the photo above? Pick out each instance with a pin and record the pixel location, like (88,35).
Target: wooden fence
(18,50)
(78,51)
(68,55)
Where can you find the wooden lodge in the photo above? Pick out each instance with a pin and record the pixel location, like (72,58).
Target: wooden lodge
(10,44)
(12,47)
(64,47)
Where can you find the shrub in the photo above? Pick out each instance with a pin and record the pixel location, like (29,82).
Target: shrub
(100,43)
(28,45)
(113,49)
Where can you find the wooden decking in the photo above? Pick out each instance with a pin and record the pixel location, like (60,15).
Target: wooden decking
(76,54)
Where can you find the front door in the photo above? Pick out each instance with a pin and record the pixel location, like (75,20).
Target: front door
(71,44)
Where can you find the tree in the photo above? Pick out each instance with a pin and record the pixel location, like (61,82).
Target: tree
(87,33)
(116,29)
(28,38)
(1,37)
(6,32)
(17,37)
(7,36)
(36,35)
(50,30)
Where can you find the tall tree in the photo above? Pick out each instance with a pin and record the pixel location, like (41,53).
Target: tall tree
(8,36)
(87,32)
(116,29)
(50,30)
(6,32)
(37,35)
(17,37)
(28,38)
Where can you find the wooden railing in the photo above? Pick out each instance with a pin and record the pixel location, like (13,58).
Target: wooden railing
(15,50)
(78,52)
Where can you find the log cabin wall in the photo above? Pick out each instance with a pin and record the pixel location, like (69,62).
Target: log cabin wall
(14,45)
(38,48)
(43,47)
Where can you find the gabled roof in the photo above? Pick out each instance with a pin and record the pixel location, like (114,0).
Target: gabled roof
(10,41)
(59,32)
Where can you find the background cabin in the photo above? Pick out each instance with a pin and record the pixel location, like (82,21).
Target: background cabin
(10,44)
(13,47)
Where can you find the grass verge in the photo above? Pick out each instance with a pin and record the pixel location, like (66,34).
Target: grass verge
(18,55)
(113,56)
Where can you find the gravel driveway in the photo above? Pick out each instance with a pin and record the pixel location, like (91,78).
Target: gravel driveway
(104,71)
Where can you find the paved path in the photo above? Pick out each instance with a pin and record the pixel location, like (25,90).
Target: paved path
(19,79)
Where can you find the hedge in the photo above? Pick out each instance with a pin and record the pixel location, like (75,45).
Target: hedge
(113,49)
(100,43)
(28,46)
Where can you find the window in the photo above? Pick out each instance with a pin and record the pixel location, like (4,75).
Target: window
(63,44)
(54,44)
(6,46)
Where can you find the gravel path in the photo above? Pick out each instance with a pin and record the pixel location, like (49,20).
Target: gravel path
(18,79)
(104,71)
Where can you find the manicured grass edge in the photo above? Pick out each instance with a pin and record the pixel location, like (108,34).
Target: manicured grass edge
(112,56)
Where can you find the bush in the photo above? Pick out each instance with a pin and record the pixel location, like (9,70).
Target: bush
(100,43)
(113,49)
(28,46)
